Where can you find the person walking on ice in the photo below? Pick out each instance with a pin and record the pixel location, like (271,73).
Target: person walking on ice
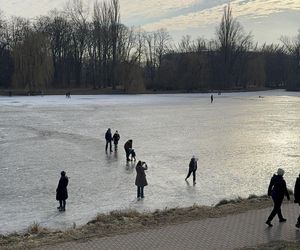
(61,191)
(116,138)
(192,169)
(277,189)
(108,138)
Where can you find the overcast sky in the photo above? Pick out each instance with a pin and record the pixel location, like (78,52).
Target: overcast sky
(267,20)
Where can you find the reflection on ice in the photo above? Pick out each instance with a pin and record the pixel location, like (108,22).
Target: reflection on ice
(240,139)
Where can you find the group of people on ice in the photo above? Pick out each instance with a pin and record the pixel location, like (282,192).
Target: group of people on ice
(277,187)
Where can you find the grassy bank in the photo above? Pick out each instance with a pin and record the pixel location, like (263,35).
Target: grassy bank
(122,222)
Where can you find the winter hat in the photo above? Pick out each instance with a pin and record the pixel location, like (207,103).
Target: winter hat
(280,171)
(194,157)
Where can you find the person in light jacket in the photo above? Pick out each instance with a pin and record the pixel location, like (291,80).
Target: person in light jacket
(277,189)
(62,191)
(140,180)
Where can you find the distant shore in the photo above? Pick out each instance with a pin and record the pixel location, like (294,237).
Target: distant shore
(118,91)
(127,221)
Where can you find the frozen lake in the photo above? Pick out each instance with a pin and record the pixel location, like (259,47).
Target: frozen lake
(240,140)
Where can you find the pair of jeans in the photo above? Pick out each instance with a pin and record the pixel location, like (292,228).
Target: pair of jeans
(106,146)
(140,192)
(277,209)
(194,175)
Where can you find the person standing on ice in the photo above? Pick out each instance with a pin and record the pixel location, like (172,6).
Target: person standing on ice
(128,147)
(108,138)
(192,169)
(277,189)
(62,191)
(140,180)
(116,138)
(211,98)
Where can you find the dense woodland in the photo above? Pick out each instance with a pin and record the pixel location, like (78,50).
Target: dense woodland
(78,48)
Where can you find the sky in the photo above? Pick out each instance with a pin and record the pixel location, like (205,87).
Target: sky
(267,20)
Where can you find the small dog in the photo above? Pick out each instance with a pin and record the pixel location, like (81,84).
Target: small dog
(68,95)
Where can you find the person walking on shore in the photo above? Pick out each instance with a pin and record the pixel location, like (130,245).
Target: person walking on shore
(297,197)
(128,147)
(140,180)
(277,189)
(211,98)
(62,191)
(116,138)
(192,169)
(108,138)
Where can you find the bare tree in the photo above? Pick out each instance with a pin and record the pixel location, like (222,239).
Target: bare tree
(233,44)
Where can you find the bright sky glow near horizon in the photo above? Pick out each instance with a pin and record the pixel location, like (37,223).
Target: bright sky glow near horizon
(267,20)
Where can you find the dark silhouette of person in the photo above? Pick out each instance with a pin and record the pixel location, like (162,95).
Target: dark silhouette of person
(108,138)
(297,197)
(116,138)
(277,189)
(140,180)
(192,168)
(128,147)
(133,154)
(62,191)
(211,98)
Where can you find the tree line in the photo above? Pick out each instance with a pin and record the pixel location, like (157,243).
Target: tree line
(83,49)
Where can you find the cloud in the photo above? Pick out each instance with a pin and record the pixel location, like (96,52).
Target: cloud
(249,9)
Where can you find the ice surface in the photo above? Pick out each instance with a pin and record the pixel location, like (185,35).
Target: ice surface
(240,140)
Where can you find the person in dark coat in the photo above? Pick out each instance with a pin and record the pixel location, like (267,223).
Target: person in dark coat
(108,138)
(140,180)
(62,191)
(116,138)
(277,189)
(211,98)
(128,147)
(192,169)
(297,197)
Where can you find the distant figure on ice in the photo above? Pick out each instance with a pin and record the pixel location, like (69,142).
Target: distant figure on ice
(140,180)
(211,98)
(277,189)
(297,197)
(116,138)
(68,95)
(127,147)
(192,169)
(62,192)
(108,138)
(132,152)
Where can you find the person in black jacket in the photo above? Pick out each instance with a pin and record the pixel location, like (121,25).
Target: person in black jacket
(297,197)
(108,138)
(128,147)
(116,138)
(140,180)
(277,189)
(192,168)
(62,192)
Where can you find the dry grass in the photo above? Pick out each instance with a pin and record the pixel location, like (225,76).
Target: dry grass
(122,222)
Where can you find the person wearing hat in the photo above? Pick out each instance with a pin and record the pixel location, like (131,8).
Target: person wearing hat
(277,189)
(62,192)
(192,169)
(108,138)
